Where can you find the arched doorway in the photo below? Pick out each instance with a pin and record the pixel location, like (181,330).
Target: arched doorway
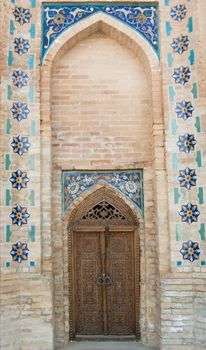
(105,268)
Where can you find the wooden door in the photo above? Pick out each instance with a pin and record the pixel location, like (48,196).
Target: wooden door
(104,306)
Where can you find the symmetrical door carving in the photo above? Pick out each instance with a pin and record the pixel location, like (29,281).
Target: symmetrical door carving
(104,283)
(105,268)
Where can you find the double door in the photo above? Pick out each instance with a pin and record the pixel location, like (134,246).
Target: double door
(104,283)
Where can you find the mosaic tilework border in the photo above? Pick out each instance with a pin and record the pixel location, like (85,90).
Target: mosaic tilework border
(57,18)
(127,182)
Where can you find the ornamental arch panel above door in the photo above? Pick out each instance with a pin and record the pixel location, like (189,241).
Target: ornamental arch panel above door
(105,267)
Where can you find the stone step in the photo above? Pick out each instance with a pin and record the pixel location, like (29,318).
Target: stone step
(105,345)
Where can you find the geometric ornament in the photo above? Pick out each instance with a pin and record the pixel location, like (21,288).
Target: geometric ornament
(19,215)
(19,179)
(19,252)
(190,251)
(189,213)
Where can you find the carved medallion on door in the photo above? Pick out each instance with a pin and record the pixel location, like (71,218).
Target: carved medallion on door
(105,269)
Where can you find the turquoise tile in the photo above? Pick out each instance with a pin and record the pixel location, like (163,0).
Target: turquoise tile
(171,93)
(176,195)
(168,28)
(174,126)
(199,159)
(7,264)
(32,31)
(194,90)
(7,197)
(200,195)
(170,60)
(32,94)
(192,57)
(9,92)
(190,25)
(197,124)
(7,161)
(32,197)
(33,128)
(8,126)
(10,58)
(33,3)
(32,233)
(202,232)
(179,263)
(203,263)
(174,160)
(32,264)
(31,62)
(178,233)
(11,27)
(167,2)
(8,233)
(31,162)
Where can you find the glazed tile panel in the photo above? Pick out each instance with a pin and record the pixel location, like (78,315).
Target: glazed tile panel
(57,18)
(127,182)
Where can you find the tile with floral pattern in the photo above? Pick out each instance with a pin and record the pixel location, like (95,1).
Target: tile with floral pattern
(20,111)
(190,251)
(19,179)
(21,46)
(187,178)
(19,215)
(20,145)
(178,12)
(22,15)
(20,78)
(181,75)
(189,213)
(184,109)
(180,44)
(19,252)
(186,143)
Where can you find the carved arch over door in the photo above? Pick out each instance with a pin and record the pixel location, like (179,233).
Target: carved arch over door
(104,249)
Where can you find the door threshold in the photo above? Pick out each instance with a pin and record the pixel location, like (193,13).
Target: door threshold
(105,338)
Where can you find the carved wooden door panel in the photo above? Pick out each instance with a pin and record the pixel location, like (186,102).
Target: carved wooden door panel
(104,306)
(89,311)
(120,287)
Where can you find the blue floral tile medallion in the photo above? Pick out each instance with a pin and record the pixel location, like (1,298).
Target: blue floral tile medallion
(20,145)
(189,213)
(180,44)
(186,143)
(187,178)
(21,46)
(19,179)
(19,252)
(22,15)
(181,75)
(128,182)
(190,251)
(20,78)
(19,215)
(57,18)
(178,12)
(20,111)
(184,109)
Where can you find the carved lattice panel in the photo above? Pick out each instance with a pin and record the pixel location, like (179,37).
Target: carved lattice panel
(104,211)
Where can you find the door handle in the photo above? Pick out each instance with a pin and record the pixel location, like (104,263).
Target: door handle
(107,279)
(100,279)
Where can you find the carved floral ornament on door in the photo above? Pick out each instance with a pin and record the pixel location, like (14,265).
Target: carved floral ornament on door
(57,18)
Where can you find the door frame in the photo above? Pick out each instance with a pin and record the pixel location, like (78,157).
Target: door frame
(135,223)
(135,263)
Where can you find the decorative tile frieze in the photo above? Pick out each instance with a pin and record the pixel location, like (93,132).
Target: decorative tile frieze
(20,78)
(19,215)
(20,111)
(190,251)
(21,46)
(181,75)
(184,109)
(20,145)
(180,44)
(178,12)
(189,213)
(128,182)
(22,15)
(187,178)
(59,17)
(186,143)
(19,179)
(19,252)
